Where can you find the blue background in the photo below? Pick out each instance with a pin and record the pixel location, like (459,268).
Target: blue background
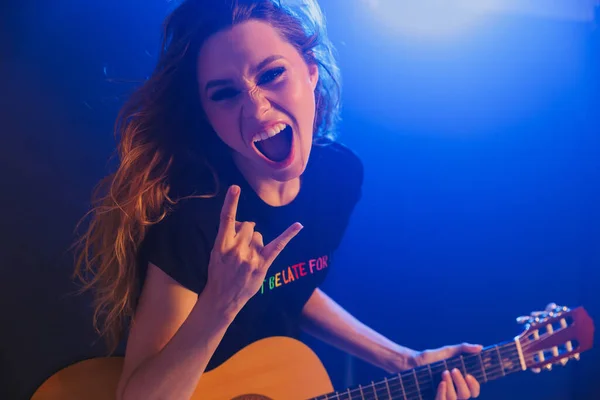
(481,195)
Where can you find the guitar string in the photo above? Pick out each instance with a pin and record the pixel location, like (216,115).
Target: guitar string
(407,394)
(425,387)
(502,349)
(412,389)
(398,392)
(490,374)
(409,390)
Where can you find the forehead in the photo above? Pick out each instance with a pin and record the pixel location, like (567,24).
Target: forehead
(239,48)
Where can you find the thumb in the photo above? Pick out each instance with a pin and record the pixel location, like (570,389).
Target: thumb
(470,348)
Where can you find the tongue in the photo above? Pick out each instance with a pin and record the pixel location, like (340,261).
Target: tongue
(276,148)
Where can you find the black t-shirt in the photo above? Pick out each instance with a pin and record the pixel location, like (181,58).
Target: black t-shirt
(180,245)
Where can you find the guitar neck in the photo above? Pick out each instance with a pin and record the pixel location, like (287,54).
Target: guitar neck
(421,383)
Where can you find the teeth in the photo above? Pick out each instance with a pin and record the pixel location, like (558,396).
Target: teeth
(269,132)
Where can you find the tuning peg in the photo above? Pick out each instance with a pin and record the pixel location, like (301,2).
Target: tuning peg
(575,356)
(564,361)
(556,309)
(548,367)
(536,317)
(536,370)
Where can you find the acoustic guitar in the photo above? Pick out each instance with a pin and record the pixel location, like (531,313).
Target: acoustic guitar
(284,368)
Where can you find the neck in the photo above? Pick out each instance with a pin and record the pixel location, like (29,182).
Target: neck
(271,191)
(421,383)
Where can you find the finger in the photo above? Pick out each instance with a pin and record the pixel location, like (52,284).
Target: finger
(238,226)
(272,250)
(450,392)
(257,240)
(470,348)
(245,234)
(474,386)
(228,214)
(462,389)
(441,392)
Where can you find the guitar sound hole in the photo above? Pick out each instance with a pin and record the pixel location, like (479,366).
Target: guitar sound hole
(252,397)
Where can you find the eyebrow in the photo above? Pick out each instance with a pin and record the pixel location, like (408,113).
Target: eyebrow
(265,62)
(255,69)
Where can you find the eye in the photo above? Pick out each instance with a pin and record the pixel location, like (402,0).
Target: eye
(271,75)
(224,94)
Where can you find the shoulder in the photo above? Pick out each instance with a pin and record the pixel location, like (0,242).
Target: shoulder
(189,215)
(187,225)
(337,153)
(179,245)
(338,163)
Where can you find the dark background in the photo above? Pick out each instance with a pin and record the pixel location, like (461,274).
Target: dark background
(481,189)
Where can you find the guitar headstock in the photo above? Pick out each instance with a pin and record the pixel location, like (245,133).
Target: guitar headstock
(555,336)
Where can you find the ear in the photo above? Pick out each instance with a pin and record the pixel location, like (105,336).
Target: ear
(313,75)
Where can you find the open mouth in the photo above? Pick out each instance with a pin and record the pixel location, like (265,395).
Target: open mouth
(275,144)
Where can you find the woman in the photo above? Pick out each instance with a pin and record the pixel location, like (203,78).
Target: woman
(219,225)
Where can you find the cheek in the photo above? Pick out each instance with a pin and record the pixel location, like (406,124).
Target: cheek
(301,96)
(225,125)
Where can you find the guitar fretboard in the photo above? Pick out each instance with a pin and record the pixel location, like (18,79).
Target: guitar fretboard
(421,383)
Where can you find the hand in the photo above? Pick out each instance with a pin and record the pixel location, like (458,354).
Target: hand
(239,261)
(453,386)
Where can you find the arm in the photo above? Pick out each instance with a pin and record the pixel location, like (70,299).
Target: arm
(174,335)
(175,332)
(326,320)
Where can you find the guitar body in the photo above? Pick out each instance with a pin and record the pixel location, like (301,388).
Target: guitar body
(272,368)
(284,368)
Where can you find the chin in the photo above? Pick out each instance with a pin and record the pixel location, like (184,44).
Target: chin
(290,173)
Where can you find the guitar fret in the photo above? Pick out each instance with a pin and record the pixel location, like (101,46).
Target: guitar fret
(430,373)
(417,383)
(384,391)
(387,385)
(462,361)
(500,360)
(371,390)
(402,387)
(374,390)
(427,381)
(482,368)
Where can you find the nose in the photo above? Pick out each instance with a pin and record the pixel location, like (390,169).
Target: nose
(255,103)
